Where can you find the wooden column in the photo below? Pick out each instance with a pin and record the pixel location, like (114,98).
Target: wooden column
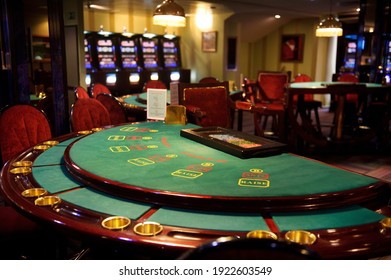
(58,63)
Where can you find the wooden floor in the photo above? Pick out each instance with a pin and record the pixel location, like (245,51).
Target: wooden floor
(371,162)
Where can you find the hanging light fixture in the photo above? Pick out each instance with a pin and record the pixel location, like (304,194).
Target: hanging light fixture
(329,26)
(169,13)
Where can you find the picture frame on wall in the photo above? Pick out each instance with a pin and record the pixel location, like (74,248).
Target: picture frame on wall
(209,41)
(292,47)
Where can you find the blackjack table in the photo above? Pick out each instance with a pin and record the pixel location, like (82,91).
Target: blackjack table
(146,186)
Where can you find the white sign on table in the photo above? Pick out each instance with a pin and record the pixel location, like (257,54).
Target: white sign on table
(156,104)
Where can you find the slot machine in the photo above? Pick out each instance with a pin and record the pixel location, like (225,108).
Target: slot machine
(170,57)
(150,56)
(387,61)
(131,74)
(103,59)
(89,54)
(350,54)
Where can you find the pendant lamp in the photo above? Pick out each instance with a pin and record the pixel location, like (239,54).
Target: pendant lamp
(329,26)
(169,13)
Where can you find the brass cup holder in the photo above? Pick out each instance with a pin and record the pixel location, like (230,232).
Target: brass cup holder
(34,192)
(148,228)
(51,143)
(22,163)
(262,234)
(21,170)
(41,147)
(47,201)
(97,129)
(84,132)
(386,224)
(115,222)
(300,236)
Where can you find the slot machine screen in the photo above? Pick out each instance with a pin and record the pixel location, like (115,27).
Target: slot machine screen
(88,80)
(150,55)
(111,79)
(352,48)
(129,54)
(106,53)
(175,76)
(350,63)
(170,54)
(389,56)
(87,55)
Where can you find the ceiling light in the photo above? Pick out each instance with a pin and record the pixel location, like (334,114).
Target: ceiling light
(329,26)
(169,13)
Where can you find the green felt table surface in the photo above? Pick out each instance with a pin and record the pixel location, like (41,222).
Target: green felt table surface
(132,100)
(321,219)
(324,84)
(135,98)
(153,155)
(209,220)
(104,203)
(54,178)
(50,173)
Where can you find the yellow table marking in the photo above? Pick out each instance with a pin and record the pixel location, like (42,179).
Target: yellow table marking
(256,170)
(119,149)
(254,183)
(141,161)
(128,128)
(172,156)
(116,138)
(188,174)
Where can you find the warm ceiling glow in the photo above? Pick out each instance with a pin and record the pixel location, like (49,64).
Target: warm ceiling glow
(204,18)
(169,13)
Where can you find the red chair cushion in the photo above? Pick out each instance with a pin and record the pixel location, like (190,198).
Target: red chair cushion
(302,78)
(272,85)
(80,92)
(99,88)
(21,127)
(212,102)
(89,113)
(115,109)
(349,78)
(154,84)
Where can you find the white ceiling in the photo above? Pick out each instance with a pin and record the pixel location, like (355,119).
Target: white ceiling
(253,13)
(286,8)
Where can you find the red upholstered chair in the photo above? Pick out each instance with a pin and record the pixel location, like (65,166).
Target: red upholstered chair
(350,78)
(269,101)
(154,84)
(353,105)
(206,104)
(81,92)
(88,113)
(114,107)
(309,104)
(209,80)
(21,127)
(99,88)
